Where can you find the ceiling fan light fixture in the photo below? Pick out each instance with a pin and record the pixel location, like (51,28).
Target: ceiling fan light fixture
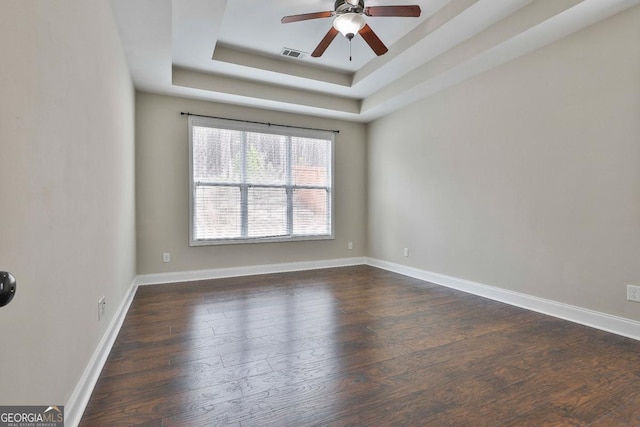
(349,24)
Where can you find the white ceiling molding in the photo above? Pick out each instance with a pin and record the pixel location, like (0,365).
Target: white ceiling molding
(230,51)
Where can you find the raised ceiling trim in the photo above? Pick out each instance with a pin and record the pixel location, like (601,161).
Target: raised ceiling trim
(172,48)
(230,55)
(246,88)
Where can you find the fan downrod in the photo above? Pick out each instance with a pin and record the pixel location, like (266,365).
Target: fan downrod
(348,6)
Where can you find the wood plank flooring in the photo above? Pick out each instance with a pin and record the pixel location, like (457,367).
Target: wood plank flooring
(356,346)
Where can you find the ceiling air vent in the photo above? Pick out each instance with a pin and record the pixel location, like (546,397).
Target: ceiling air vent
(292,53)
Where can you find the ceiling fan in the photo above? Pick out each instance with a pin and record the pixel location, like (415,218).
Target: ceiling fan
(350,19)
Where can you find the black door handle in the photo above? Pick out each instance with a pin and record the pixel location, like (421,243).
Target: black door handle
(7,288)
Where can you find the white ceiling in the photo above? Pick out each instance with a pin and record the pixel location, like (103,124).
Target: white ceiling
(230,50)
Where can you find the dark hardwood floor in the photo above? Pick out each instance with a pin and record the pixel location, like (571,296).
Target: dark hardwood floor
(356,346)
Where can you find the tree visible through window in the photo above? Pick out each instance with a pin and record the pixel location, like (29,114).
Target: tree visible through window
(253,183)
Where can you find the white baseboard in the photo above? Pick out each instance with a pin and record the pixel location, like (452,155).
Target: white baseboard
(221,273)
(606,322)
(79,399)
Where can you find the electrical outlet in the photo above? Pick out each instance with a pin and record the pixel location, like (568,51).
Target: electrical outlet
(350,246)
(166,257)
(633,293)
(406,252)
(102,305)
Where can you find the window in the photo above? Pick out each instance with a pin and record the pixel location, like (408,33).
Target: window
(257,183)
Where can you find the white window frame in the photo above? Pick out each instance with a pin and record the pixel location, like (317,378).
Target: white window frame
(270,129)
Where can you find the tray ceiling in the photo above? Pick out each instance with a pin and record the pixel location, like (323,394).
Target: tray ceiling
(231,50)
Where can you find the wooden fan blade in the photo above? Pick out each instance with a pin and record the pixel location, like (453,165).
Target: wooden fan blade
(306,16)
(408,11)
(324,44)
(372,40)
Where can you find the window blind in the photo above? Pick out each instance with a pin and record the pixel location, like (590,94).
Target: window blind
(254,183)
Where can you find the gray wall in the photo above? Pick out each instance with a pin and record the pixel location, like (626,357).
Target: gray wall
(67,220)
(526,177)
(162,163)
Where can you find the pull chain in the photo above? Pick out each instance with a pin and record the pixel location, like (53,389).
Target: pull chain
(350,37)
